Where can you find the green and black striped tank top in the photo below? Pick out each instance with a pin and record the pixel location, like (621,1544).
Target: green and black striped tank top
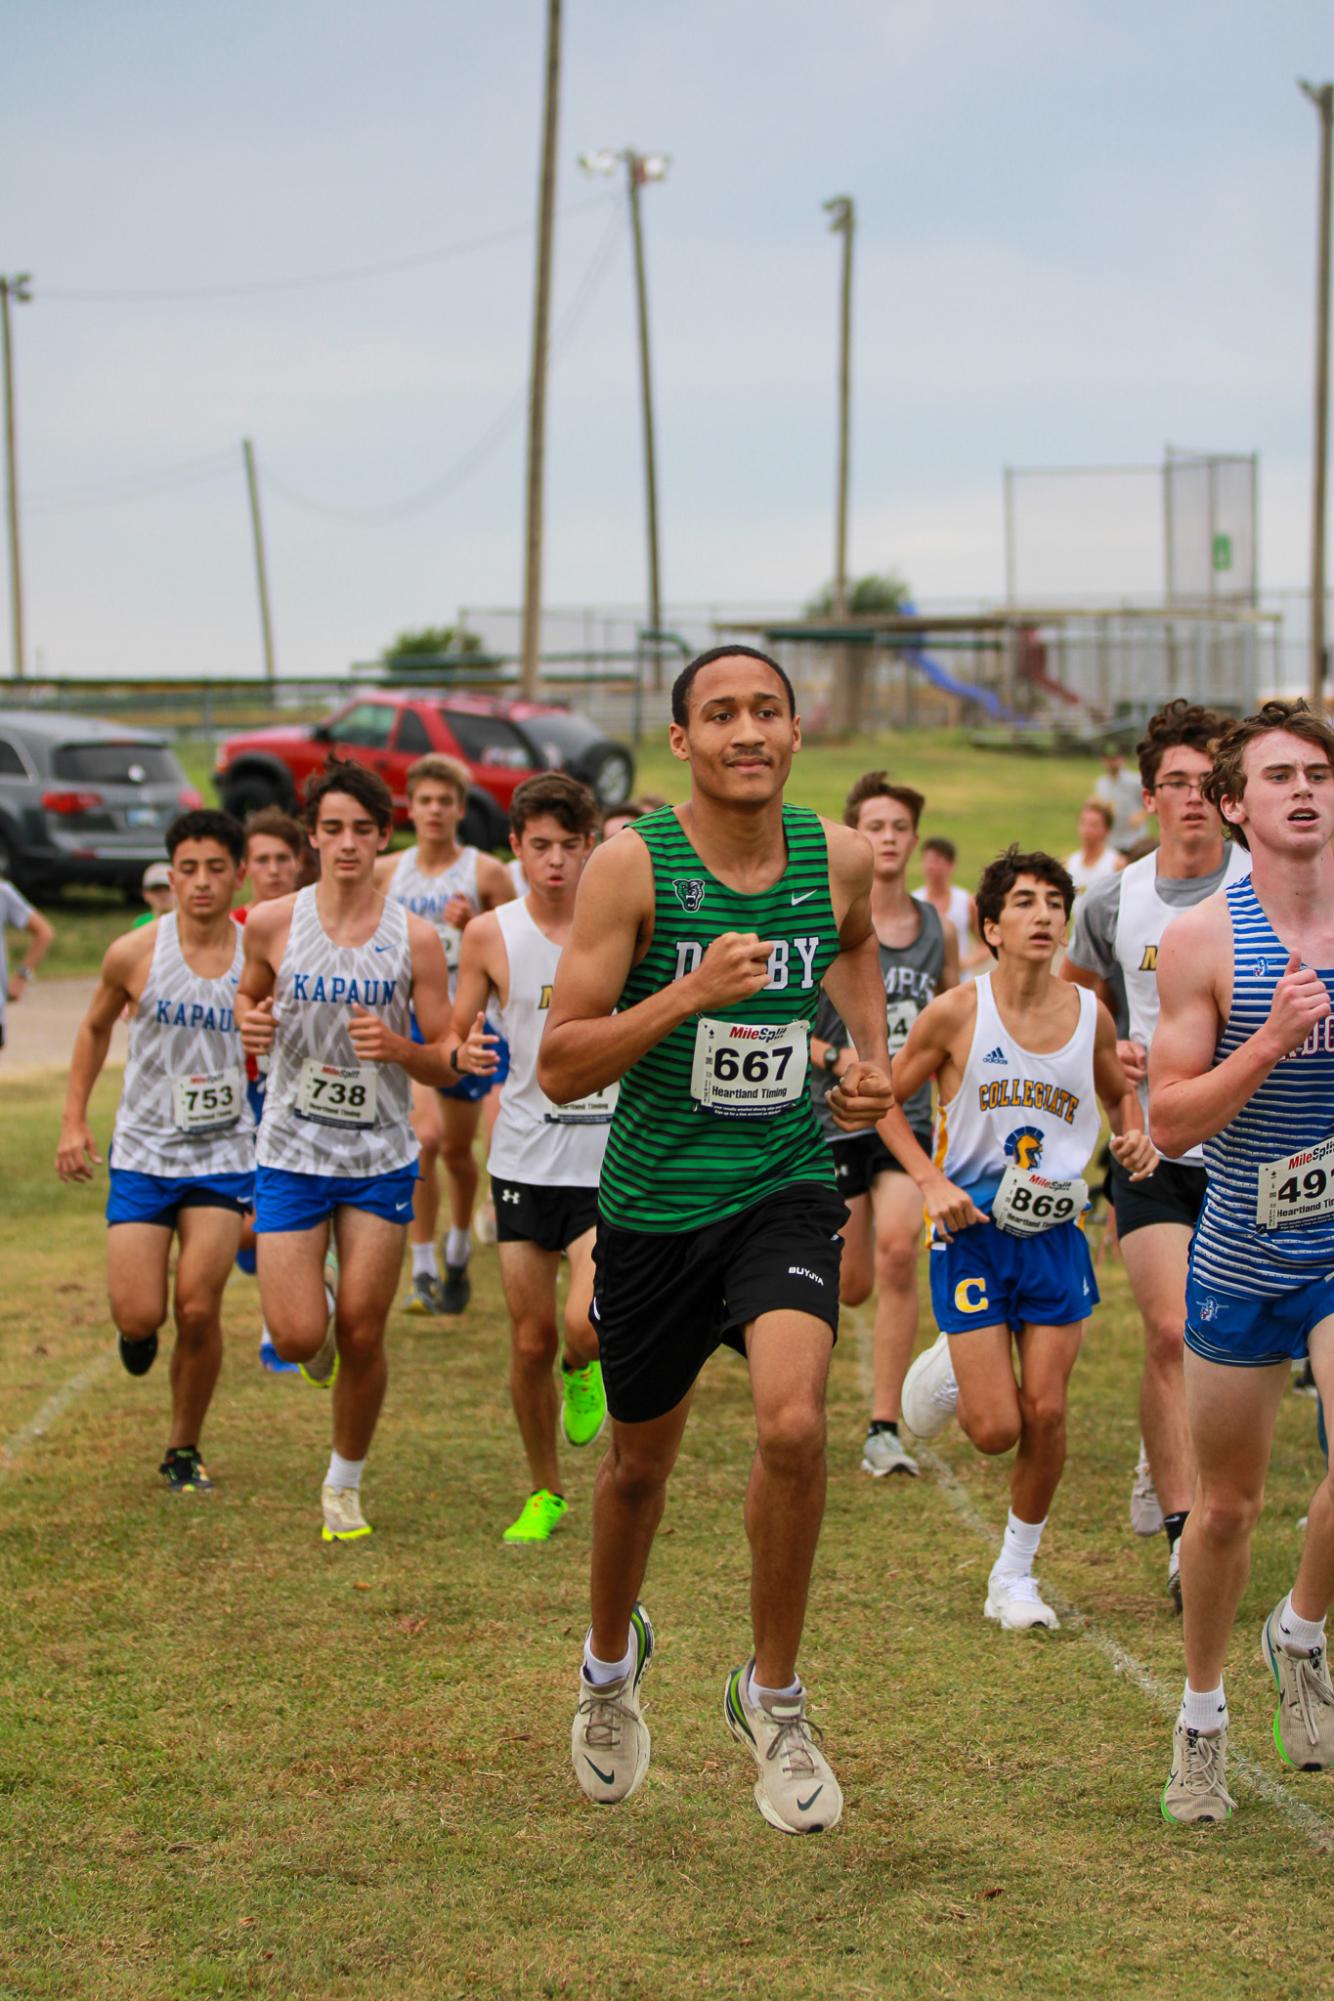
(671,1165)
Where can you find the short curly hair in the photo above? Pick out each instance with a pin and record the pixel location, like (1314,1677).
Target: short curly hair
(1178,722)
(1000,877)
(1227,780)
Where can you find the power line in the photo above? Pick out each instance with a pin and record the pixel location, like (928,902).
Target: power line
(259,287)
(147,488)
(496,432)
(89,488)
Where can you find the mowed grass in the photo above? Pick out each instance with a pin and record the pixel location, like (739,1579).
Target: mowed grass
(982,800)
(234,1762)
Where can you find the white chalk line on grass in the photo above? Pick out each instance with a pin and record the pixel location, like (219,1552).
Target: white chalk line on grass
(1313,1826)
(51,1412)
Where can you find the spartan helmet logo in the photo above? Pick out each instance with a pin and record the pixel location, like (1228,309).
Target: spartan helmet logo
(689,892)
(1024,1147)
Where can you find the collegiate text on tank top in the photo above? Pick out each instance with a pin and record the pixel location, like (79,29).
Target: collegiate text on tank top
(183,1107)
(428,895)
(717,1115)
(1142,916)
(1290,1113)
(1013,1108)
(535,1141)
(911,975)
(325,1112)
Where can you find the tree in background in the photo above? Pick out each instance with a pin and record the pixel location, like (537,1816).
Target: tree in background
(881,591)
(421,647)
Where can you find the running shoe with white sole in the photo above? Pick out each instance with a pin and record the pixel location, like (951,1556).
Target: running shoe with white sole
(883,1452)
(930,1392)
(343,1519)
(541,1515)
(1196,1793)
(1304,1719)
(609,1740)
(796,1790)
(322,1368)
(1174,1575)
(1146,1514)
(1017,1604)
(184,1471)
(584,1404)
(270,1359)
(423,1294)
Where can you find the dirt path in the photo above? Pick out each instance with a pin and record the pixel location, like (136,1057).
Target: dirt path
(39,1029)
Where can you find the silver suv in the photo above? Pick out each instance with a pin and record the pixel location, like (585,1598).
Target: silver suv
(83,801)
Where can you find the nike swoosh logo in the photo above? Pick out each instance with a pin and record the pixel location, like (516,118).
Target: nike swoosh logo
(607,1778)
(804,1806)
(805,896)
(381,948)
(402,1207)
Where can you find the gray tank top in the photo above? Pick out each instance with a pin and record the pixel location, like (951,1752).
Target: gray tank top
(324,1112)
(911,974)
(183,1109)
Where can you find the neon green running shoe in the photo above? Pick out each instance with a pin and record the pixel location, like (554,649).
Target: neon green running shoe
(543,1513)
(585,1409)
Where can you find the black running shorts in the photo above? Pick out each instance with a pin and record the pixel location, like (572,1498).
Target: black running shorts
(860,1157)
(663,1301)
(1173,1193)
(552,1218)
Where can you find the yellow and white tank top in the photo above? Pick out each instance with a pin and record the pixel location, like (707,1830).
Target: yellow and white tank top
(1014,1108)
(556,1145)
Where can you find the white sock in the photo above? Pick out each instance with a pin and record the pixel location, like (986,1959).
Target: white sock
(343,1472)
(756,1689)
(458,1247)
(1300,1636)
(423,1261)
(1019,1547)
(1206,1712)
(601,1672)
(265,1338)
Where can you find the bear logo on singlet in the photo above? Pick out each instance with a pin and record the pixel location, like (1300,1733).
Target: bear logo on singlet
(1024,1147)
(689,892)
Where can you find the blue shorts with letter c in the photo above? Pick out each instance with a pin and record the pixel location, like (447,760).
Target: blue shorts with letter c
(987,1278)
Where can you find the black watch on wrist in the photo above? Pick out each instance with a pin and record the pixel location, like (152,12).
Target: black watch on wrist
(454,1061)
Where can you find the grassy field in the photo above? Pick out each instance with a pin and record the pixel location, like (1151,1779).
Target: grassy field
(981,799)
(236,1763)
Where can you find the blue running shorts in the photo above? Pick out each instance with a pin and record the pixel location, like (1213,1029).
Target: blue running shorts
(159,1198)
(987,1278)
(287,1201)
(1251,1333)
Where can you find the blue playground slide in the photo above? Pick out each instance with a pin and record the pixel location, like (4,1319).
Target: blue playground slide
(948,683)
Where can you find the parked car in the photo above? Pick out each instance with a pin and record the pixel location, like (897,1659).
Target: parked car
(83,801)
(502,743)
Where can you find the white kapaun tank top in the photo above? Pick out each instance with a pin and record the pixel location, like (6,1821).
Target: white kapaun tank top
(318,984)
(183,1034)
(560,1146)
(427,895)
(1142,916)
(1018,1109)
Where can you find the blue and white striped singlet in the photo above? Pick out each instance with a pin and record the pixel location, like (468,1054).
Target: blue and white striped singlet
(1292,1109)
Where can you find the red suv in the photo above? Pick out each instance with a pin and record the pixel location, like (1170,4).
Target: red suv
(502,743)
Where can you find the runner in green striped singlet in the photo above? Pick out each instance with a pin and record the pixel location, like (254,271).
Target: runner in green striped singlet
(703,935)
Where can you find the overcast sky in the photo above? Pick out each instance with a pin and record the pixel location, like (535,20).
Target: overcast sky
(1084,231)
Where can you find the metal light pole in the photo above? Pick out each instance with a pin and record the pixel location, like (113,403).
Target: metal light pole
(843,222)
(1323,100)
(640,168)
(17,289)
(537,393)
(261,567)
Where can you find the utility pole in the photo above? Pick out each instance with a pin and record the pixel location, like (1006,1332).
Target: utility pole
(17,289)
(261,568)
(1323,100)
(639,169)
(843,222)
(537,392)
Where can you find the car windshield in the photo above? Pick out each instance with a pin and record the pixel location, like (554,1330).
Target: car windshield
(116,764)
(560,735)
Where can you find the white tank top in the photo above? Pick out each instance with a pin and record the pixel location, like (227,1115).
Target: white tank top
(324,1112)
(1142,916)
(1018,1109)
(180,1114)
(427,895)
(534,1140)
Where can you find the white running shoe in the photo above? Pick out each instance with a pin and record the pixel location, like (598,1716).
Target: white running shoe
(930,1392)
(1196,1793)
(1017,1604)
(609,1740)
(1146,1514)
(882,1452)
(343,1519)
(796,1791)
